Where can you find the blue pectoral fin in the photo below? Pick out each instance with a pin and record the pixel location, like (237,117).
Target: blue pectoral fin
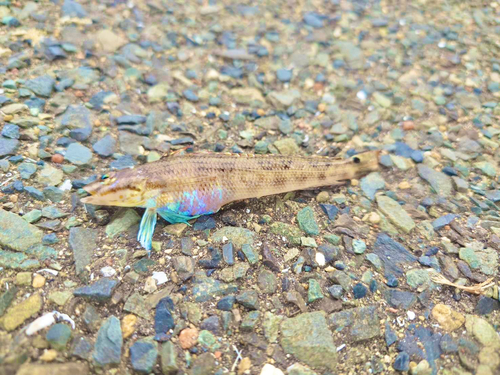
(147,228)
(174,218)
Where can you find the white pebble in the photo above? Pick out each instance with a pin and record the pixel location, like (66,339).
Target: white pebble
(108,271)
(411,315)
(269,369)
(160,277)
(320,259)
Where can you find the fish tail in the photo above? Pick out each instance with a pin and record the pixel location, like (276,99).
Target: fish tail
(146,229)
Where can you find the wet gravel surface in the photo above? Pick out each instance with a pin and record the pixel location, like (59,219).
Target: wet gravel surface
(340,280)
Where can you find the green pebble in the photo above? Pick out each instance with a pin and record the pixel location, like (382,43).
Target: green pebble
(359,246)
(333,239)
(307,222)
(314,292)
(249,321)
(33,216)
(208,341)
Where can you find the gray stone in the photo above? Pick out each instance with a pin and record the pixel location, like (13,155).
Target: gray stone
(308,338)
(361,323)
(109,343)
(78,154)
(16,233)
(78,119)
(8,146)
(168,356)
(100,290)
(143,354)
(396,214)
(83,242)
(440,182)
(105,146)
(42,86)
(371,183)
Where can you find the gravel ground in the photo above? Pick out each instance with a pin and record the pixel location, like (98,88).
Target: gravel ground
(344,280)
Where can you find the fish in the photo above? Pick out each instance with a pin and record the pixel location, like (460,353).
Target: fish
(184,187)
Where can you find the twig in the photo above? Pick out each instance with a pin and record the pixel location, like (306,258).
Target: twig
(475,289)
(238,357)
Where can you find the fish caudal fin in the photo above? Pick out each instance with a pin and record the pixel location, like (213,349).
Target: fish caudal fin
(147,228)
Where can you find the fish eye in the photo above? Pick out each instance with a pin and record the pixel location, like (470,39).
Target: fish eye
(356,160)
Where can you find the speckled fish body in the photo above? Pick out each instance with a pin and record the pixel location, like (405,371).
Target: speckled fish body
(180,188)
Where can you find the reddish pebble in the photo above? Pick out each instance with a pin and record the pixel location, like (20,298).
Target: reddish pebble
(57,158)
(217,355)
(188,338)
(408,125)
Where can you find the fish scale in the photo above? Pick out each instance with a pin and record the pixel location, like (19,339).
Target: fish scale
(183,187)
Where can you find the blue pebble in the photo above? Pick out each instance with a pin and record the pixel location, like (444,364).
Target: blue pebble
(204,222)
(284,75)
(228,253)
(190,95)
(373,286)
(450,171)
(50,239)
(425,261)
(417,156)
(18,186)
(339,265)
(313,19)
(11,131)
(359,291)
(35,193)
(432,251)
(392,281)
(330,210)
(443,221)
(390,335)
(402,362)
(402,149)
(16,159)
(164,321)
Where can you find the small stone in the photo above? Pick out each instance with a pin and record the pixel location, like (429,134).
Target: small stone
(109,343)
(122,221)
(16,233)
(188,338)
(402,362)
(143,355)
(396,214)
(248,299)
(314,292)
(58,336)
(19,313)
(100,290)
(307,222)
(128,325)
(43,85)
(287,146)
(78,154)
(307,337)
(23,278)
(38,281)
(440,182)
(83,242)
(359,291)
(106,146)
(447,318)
(109,40)
(168,358)
(359,246)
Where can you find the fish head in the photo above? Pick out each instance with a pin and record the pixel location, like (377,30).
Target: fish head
(125,188)
(365,162)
